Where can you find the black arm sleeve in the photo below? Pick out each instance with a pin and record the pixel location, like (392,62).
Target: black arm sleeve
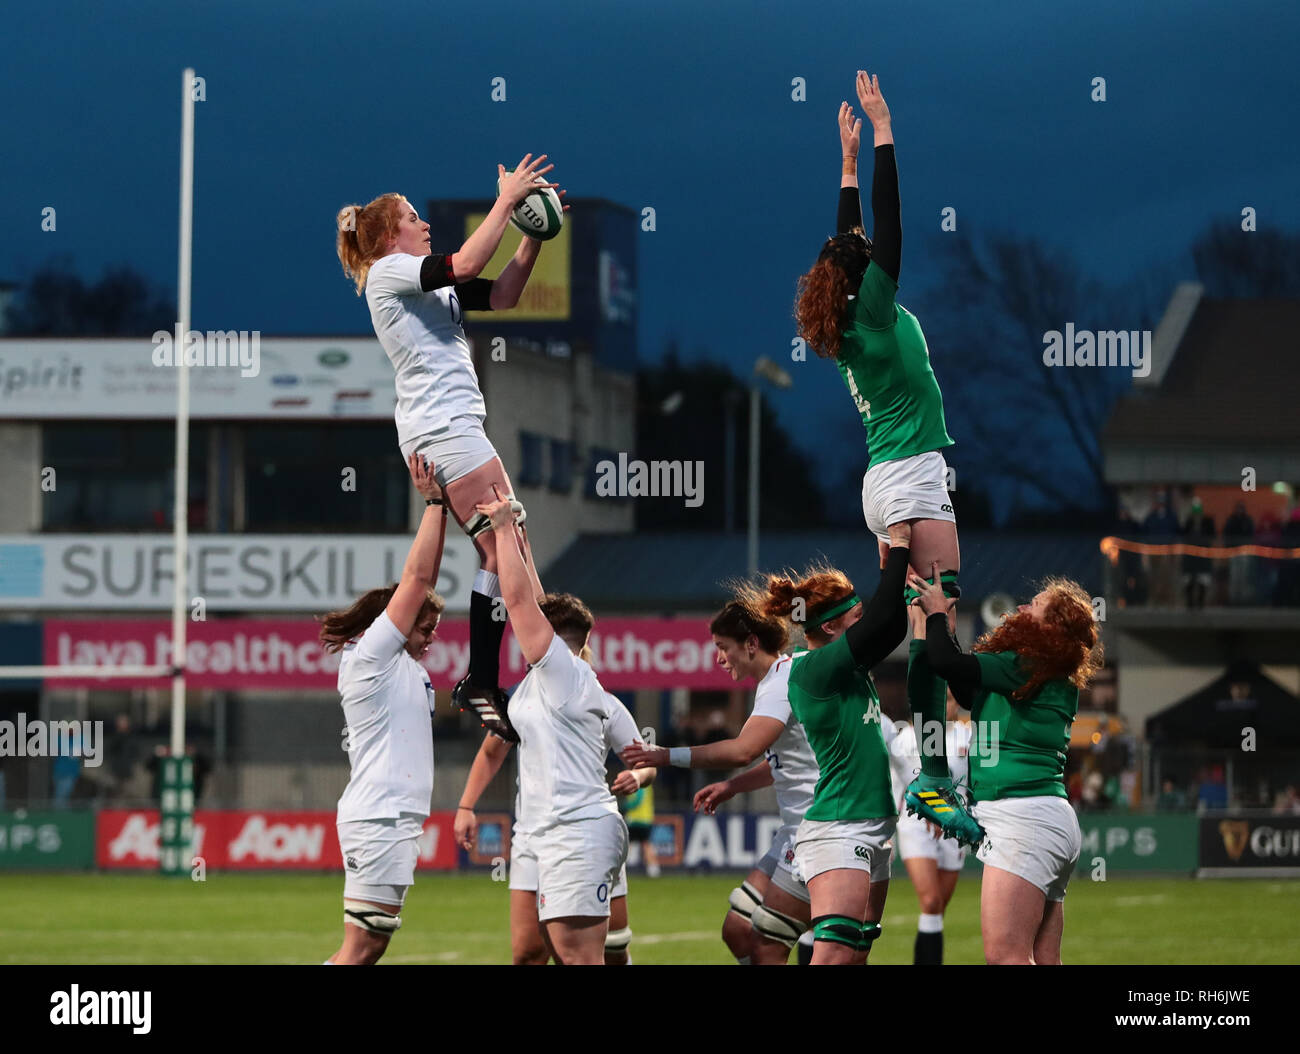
(886,213)
(962,672)
(849,213)
(475,295)
(436,272)
(884,618)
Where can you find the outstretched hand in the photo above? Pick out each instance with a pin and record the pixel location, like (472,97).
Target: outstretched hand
(641,755)
(873,103)
(517,185)
(499,511)
(422,475)
(850,131)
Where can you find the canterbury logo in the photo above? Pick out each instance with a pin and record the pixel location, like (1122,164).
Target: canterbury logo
(860,851)
(1234,834)
(946,508)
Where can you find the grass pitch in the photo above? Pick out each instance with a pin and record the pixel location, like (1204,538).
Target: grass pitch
(462,919)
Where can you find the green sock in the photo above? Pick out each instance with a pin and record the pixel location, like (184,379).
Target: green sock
(927,695)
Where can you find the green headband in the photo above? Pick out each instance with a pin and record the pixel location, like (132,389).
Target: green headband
(844,605)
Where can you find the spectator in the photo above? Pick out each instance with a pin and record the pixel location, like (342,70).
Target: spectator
(1161,528)
(1132,576)
(1171,798)
(123,754)
(1287,801)
(67,768)
(1239,529)
(1212,792)
(1198,529)
(1268,532)
(1287,591)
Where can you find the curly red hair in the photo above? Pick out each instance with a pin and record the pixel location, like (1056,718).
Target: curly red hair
(1065,645)
(822,298)
(820,588)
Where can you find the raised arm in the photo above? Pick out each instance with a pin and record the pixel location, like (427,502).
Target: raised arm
(886,208)
(480,246)
(849,213)
(884,618)
(962,672)
(532,630)
(420,572)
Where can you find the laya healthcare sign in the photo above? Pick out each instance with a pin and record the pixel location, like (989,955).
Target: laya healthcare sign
(286,655)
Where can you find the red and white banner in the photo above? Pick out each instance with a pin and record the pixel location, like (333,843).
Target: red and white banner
(252,841)
(285,655)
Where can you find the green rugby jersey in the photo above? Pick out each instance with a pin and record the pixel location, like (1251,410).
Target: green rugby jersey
(839,709)
(886,364)
(1032,737)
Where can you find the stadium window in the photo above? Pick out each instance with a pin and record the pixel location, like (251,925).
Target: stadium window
(314,478)
(120,476)
(530,459)
(561,466)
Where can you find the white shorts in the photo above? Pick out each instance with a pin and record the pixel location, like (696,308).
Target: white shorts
(1037,839)
(859,845)
(577,866)
(379,857)
(911,488)
(455,451)
(914,839)
(523,868)
(778,864)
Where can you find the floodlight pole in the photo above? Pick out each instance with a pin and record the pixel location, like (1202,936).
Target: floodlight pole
(180,523)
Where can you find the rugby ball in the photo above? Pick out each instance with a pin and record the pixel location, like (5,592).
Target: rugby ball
(540,215)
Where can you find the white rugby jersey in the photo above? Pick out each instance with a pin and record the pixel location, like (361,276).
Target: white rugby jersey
(425,341)
(905,757)
(793,764)
(387,702)
(561,714)
(620,732)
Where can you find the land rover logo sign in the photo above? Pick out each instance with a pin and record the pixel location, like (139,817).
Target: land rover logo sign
(333,357)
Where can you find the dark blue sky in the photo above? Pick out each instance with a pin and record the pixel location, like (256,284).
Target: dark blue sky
(680,105)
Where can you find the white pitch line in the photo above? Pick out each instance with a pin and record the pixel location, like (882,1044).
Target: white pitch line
(668,938)
(1131,902)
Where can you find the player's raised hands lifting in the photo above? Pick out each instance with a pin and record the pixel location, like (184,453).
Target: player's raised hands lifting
(873,103)
(423,478)
(518,184)
(850,131)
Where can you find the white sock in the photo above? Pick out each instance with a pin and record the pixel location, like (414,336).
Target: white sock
(807,939)
(487,583)
(930,924)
